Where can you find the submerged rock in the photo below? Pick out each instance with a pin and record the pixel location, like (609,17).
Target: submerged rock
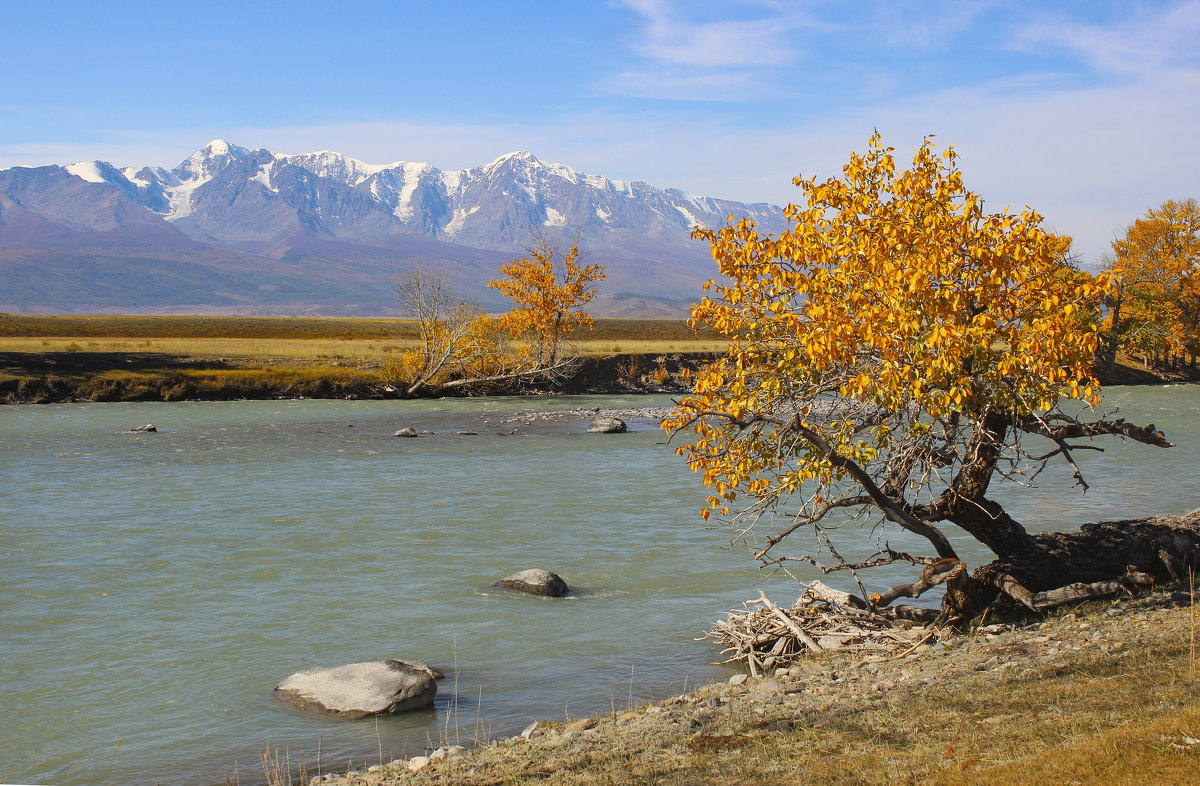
(535,581)
(357,690)
(407,431)
(607,425)
(146,428)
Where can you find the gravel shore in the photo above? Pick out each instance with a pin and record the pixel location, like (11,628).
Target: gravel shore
(650,414)
(807,697)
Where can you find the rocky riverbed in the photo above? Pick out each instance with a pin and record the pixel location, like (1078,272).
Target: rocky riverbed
(822,692)
(533,416)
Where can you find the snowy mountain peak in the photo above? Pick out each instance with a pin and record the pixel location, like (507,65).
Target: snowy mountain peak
(88,170)
(103,172)
(237,196)
(331,164)
(221,147)
(519,156)
(342,227)
(209,160)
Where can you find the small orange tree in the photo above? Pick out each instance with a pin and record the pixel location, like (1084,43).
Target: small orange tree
(548,289)
(460,346)
(891,353)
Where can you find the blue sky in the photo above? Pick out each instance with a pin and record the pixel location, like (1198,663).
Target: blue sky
(1088,111)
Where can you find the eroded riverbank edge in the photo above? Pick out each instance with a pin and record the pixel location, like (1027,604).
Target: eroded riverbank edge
(1118,677)
(69,377)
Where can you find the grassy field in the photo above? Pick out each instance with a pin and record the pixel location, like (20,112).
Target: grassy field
(121,358)
(361,342)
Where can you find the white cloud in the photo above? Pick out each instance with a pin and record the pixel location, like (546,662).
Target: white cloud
(151,149)
(684,55)
(687,85)
(924,24)
(1140,45)
(669,35)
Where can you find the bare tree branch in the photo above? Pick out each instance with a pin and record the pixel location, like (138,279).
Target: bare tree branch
(1148,435)
(822,510)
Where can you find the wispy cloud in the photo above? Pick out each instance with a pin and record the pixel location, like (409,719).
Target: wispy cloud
(755,49)
(668,34)
(1139,44)
(698,51)
(922,24)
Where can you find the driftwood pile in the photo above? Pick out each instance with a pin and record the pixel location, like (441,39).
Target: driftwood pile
(823,619)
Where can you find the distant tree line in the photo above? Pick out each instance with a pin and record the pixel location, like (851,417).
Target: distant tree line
(1154,310)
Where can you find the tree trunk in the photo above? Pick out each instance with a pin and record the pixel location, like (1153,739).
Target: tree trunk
(989,524)
(1099,558)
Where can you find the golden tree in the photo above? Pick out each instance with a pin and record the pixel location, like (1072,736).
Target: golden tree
(1154,308)
(460,346)
(548,288)
(891,353)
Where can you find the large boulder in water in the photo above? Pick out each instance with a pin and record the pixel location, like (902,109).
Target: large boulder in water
(602,424)
(357,690)
(535,581)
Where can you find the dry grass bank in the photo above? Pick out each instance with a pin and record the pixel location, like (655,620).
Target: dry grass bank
(304,340)
(368,352)
(111,358)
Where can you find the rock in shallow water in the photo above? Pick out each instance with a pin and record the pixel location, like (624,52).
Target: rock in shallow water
(357,690)
(606,425)
(536,582)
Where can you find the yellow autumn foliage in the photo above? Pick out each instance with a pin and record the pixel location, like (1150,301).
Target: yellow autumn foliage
(1156,308)
(894,302)
(548,289)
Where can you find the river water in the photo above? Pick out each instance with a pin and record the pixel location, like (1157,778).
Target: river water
(154,587)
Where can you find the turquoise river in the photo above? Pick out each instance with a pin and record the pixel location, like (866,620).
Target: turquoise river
(154,587)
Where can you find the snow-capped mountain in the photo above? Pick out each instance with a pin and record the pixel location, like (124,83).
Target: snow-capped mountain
(324,209)
(231,195)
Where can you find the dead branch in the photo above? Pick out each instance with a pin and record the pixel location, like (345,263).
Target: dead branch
(1148,435)
(817,515)
(1049,599)
(931,576)
(818,591)
(563,369)
(823,619)
(787,622)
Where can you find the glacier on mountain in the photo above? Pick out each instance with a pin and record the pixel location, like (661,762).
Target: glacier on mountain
(496,206)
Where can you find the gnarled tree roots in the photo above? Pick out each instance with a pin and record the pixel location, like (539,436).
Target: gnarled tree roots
(1101,560)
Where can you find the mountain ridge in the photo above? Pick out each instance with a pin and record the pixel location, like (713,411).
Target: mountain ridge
(334,230)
